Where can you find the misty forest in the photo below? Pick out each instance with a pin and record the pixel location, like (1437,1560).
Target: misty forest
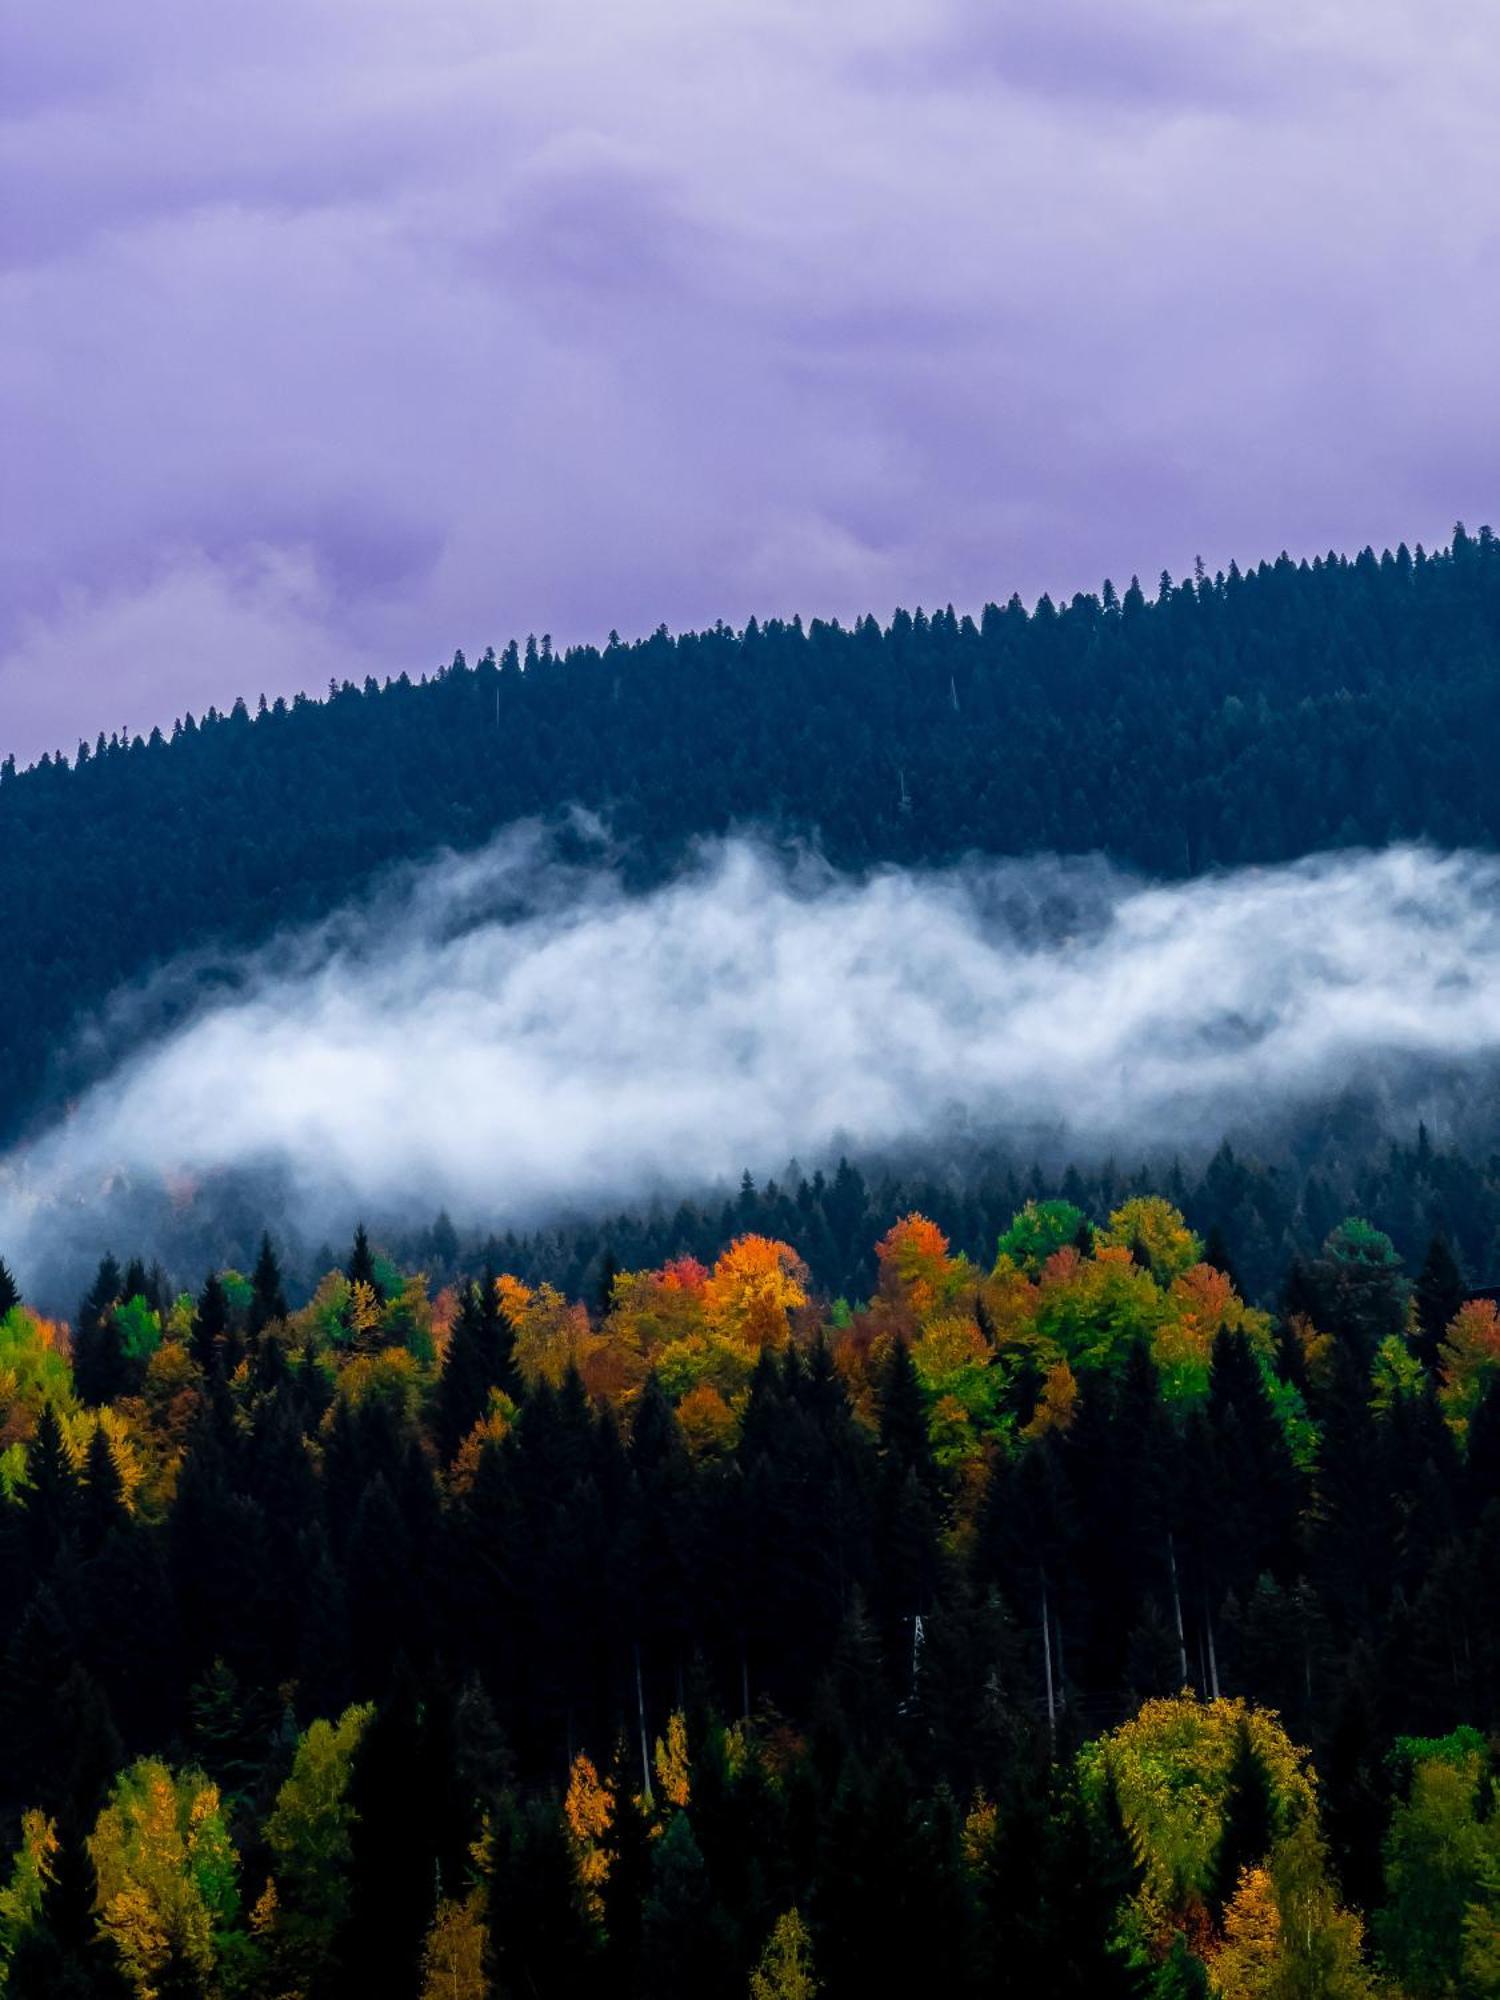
(1224,720)
(476,1525)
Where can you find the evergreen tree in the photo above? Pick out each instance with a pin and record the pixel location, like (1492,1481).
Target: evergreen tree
(687,1944)
(267,1299)
(360,1270)
(100,1372)
(393,1885)
(473,1365)
(904,1440)
(1248,1826)
(50,1501)
(1439,1293)
(101,1505)
(541,1936)
(210,1325)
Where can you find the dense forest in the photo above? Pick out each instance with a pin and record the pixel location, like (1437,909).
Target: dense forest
(1258,1217)
(1234,718)
(1052,1622)
(1258,1214)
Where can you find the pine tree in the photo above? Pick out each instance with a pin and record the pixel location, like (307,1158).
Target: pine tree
(267,1299)
(101,1506)
(904,1440)
(1249,1821)
(686,1939)
(1439,1293)
(541,1937)
(393,1885)
(210,1325)
(627,1852)
(360,1270)
(100,1371)
(50,1503)
(472,1366)
(10,1295)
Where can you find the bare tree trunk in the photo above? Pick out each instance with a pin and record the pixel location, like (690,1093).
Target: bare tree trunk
(1047,1662)
(1213,1660)
(1062,1670)
(1177,1607)
(640,1709)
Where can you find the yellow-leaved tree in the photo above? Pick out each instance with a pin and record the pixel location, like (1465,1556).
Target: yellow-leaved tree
(1156,1235)
(1286,1938)
(167,1874)
(455,1958)
(785,1971)
(1172,1765)
(752,1290)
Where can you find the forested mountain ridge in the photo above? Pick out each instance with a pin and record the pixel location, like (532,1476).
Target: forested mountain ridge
(1051,1623)
(1236,718)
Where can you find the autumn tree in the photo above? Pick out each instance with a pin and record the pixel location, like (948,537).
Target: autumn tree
(785,1971)
(167,1873)
(1442,1862)
(455,1958)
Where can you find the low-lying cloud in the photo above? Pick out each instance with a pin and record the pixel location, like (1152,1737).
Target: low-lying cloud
(510,1033)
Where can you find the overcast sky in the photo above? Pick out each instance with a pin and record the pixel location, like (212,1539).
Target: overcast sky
(335,334)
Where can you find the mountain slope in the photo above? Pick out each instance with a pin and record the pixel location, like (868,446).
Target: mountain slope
(1242,718)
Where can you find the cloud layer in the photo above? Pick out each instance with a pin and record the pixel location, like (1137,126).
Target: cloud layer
(336,334)
(504,1034)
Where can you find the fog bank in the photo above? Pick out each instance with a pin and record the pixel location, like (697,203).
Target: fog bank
(507,1033)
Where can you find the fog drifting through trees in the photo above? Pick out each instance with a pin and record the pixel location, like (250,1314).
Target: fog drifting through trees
(510,1032)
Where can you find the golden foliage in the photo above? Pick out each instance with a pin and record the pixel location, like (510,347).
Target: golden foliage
(670,1760)
(454,1963)
(166,1873)
(390,1376)
(1171,1764)
(1055,1405)
(785,1971)
(552,1336)
(588,1809)
(752,1291)
(1247,1965)
(708,1423)
(981,1824)
(78,1428)
(1151,1224)
(32,1873)
(491,1428)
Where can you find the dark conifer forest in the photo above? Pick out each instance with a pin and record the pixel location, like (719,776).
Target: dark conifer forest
(933,1573)
(1052,1623)
(1247,717)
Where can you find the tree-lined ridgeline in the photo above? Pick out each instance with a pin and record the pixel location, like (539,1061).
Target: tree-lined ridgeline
(1053,1622)
(1226,719)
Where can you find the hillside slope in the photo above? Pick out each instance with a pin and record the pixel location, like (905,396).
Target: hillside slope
(1232,719)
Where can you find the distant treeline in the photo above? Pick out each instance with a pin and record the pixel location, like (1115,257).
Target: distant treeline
(1258,1210)
(1244,717)
(1258,1217)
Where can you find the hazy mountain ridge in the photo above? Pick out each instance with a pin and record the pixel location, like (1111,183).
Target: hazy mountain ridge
(1243,718)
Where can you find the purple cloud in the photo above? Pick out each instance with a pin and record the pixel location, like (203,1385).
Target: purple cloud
(333,336)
